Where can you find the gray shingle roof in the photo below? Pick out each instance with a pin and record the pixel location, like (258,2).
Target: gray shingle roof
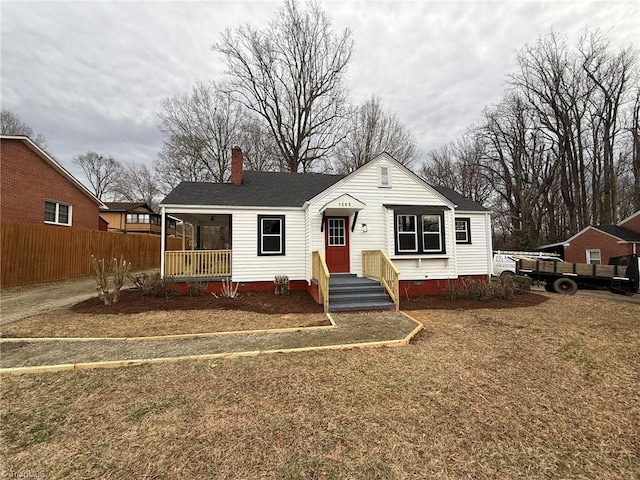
(276,189)
(463,203)
(258,189)
(620,232)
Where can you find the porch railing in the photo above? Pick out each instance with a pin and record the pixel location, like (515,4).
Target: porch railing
(197,263)
(377,265)
(320,272)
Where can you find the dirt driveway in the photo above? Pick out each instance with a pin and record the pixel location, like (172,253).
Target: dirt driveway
(25,301)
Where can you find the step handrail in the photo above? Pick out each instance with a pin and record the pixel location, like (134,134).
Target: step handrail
(320,272)
(377,265)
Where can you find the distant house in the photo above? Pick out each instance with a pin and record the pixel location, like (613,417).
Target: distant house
(596,244)
(36,189)
(381,222)
(134,217)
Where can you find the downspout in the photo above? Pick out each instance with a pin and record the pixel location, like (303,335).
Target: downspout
(163,239)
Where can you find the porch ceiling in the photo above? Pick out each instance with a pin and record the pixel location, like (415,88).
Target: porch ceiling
(212,220)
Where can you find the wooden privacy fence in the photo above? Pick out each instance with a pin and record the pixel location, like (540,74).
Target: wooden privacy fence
(43,253)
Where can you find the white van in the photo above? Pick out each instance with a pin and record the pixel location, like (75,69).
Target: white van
(503,264)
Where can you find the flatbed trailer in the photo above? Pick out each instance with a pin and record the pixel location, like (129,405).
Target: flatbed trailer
(620,276)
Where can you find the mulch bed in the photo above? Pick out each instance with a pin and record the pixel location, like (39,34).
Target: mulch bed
(442,303)
(132,301)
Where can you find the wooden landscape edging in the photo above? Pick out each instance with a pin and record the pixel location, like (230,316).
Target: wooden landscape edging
(144,361)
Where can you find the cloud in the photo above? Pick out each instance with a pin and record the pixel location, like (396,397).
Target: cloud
(90,76)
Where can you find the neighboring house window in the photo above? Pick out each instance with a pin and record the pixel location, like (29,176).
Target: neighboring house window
(419,230)
(463,230)
(593,257)
(385,178)
(138,218)
(271,235)
(58,213)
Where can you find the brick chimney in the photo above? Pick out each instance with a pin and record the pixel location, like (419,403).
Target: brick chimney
(236,165)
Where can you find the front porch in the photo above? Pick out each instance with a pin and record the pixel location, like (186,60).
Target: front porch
(197,264)
(206,248)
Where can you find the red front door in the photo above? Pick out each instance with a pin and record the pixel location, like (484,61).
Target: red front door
(336,240)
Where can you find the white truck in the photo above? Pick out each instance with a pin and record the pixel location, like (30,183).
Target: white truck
(505,261)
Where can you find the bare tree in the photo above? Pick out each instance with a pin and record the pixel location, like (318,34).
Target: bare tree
(10,124)
(291,75)
(610,75)
(103,173)
(634,130)
(259,149)
(199,130)
(372,131)
(458,165)
(138,183)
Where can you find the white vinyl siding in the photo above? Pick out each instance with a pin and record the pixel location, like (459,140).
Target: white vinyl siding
(380,234)
(471,258)
(248,266)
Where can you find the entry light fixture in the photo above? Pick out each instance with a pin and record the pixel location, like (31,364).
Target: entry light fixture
(364,228)
(212,218)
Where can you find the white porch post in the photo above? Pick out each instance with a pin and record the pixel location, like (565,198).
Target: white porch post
(163,239)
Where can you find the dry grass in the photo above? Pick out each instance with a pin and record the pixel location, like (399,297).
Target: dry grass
(66,323)
(541,392)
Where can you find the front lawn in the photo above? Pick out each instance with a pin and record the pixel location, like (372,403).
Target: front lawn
(545,391)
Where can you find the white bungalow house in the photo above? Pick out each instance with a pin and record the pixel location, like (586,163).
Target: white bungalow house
(332,235)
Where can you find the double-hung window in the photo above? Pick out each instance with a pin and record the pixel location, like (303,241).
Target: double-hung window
(431,233)
(463,230)
(418,230)
(407,234)
(57,213)
(594,257)
(271,235)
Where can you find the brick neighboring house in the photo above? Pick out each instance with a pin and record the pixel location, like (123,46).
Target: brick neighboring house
(134,217)
(598,243)
(34,188)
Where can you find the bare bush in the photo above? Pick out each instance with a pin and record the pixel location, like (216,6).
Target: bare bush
(229,290)
(101,273)
(282,285)
(153,285)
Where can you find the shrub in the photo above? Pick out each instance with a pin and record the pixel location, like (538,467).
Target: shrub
(522,284)
(101,273)
(282,285)
(498,288)
(153,285)
(196,289)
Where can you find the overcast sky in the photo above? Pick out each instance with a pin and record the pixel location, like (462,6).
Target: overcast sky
(91,75)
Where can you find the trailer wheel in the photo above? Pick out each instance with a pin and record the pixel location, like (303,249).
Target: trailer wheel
(565,285)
